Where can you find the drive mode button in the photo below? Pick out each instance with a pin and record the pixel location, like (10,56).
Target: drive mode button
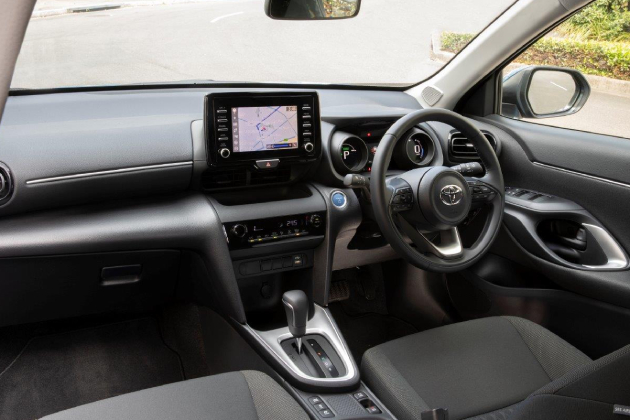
(267,164)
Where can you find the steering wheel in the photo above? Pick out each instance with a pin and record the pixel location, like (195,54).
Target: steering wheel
(427,204)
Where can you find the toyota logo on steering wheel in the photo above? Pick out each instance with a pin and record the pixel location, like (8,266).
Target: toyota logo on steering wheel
(451,195)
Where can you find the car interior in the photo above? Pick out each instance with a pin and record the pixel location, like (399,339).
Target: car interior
(251,250)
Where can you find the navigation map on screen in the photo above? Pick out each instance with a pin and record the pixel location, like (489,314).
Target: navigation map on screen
(264,128)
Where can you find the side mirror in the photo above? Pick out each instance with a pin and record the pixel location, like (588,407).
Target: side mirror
(311,9)
(543,92)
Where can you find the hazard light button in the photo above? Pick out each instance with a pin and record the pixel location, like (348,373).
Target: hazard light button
(267,164)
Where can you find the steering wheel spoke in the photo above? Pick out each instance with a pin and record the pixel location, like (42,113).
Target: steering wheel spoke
(444,244)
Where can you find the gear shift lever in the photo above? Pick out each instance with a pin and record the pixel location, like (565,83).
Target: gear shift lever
(296,306)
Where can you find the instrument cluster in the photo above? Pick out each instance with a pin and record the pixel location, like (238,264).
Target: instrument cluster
(354,152)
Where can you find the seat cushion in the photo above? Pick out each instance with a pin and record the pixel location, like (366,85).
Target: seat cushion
(471,368)
(589,392)
(246,395)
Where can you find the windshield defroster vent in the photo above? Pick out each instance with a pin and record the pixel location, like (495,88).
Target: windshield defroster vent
(461,148)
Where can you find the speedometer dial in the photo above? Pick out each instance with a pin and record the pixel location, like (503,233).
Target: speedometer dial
(416,148)
(416,151)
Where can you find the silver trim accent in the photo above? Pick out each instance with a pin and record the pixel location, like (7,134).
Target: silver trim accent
(107,172)
(450,244)
(616,257)
(285,303)
(320,324)
(597,178)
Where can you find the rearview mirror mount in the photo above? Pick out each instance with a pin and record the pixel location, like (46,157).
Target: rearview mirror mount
(544,92)
(311,9)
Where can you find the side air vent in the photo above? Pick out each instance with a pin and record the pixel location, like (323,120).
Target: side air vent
(6,184)
(462,148)
(229,178)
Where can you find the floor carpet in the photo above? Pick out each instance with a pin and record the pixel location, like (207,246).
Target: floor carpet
(55,372)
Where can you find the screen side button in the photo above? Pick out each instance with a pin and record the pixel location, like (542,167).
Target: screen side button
(267,164)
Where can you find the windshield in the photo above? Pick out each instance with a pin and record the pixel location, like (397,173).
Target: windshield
(98,42)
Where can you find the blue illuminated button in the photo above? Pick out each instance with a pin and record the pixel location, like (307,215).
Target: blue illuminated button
(339,199)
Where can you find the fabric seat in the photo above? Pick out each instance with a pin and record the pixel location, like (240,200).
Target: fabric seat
(477,369)
(247,395)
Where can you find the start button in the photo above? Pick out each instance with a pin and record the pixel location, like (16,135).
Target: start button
(339,199)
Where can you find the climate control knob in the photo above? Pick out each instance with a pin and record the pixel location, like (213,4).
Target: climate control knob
(309,147)
(239,230)
(224,153)
(316,220)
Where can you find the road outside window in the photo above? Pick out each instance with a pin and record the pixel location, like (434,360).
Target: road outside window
(113,42)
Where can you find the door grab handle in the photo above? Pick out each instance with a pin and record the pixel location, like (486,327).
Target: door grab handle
(614,254)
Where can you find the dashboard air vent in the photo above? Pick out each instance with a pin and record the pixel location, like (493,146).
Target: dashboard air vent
(462,148)
(229,178)
(271,177)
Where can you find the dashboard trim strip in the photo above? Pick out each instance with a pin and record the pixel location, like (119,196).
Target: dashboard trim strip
(107,172)
(597,178)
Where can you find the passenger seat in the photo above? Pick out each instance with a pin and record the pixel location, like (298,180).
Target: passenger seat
(246,395)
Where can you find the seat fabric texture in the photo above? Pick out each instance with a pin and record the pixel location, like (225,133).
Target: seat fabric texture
(592,391)
(477,369)
(247,395)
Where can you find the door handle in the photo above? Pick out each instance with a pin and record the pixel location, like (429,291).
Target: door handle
(614,254)
(123,274)
(569,234)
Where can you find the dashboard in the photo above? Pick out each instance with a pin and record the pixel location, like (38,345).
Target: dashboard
(88,147)
(248,179)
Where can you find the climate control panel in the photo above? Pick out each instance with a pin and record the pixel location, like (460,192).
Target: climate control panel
(247,234)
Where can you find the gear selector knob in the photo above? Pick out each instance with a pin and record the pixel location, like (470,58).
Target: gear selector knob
(296,307)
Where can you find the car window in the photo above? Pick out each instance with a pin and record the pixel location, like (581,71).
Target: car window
(596,43)
(96,42)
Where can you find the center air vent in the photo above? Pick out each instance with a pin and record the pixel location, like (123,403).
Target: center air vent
(461,148)
(228,178)
(242,177)
(271,177)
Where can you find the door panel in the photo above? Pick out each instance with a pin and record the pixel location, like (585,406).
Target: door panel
(590,178)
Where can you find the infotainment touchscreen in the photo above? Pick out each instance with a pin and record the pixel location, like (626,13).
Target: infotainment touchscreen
(264,128)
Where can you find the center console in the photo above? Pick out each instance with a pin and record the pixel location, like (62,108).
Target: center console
(279,241)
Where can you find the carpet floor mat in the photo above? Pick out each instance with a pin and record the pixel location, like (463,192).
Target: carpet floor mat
(55,372)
